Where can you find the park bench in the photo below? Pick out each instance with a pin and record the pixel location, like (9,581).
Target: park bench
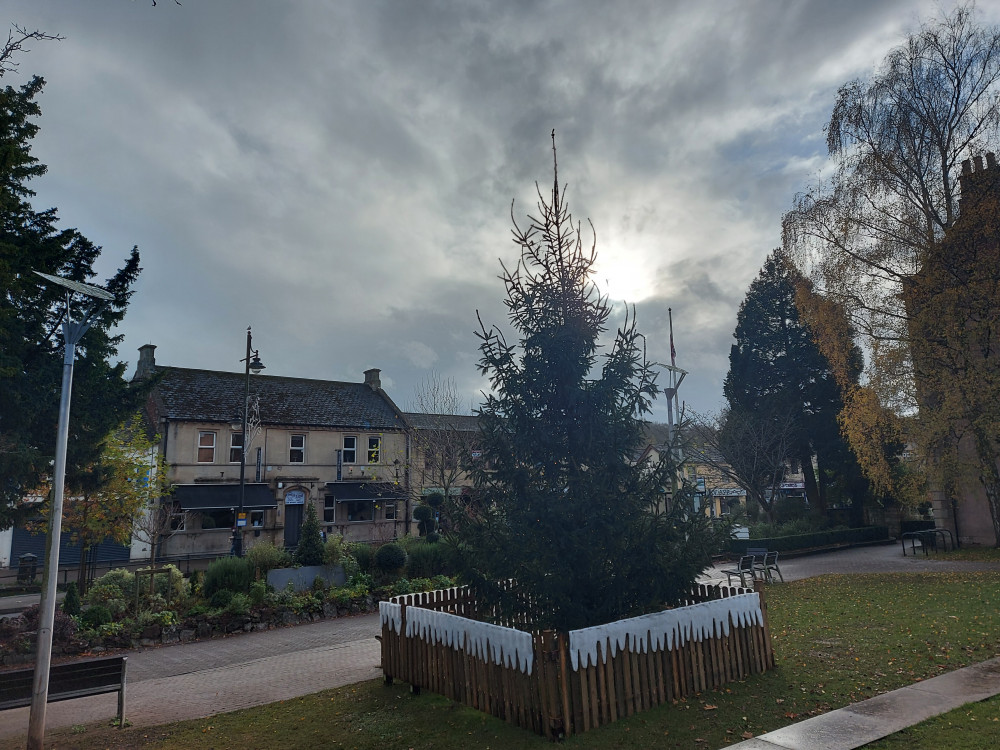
(743,569)
(66,681)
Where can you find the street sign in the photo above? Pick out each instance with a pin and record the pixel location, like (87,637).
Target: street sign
(241,519)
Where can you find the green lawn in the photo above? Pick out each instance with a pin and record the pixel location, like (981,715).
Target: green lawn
(838,639)
(971,727)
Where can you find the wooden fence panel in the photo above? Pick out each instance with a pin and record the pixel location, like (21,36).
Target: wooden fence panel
(555,699)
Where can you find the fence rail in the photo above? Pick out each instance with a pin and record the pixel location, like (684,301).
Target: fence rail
(558,684)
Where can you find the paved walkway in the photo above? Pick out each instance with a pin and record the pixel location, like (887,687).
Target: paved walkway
(194,680)
(860,723)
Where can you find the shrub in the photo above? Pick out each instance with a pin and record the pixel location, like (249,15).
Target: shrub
(95,616)
(71,604)
(310,549)
(264,556)
(390,558)
(170,584)
(424,514)
(258,592)
(196,581)
(115,590)
(238,604)
(230,573)
(362,554)
(63,626)
(334,550)
(435,499)
(427,559)
(221,598)
(319,584)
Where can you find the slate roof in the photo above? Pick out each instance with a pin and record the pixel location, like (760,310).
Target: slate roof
(212,396)
(456,422)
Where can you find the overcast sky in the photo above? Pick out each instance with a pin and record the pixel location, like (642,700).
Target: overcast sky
(340,174)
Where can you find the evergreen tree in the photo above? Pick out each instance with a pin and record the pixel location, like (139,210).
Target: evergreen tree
(310,549)
(31,348)
(559,503)
(776,368)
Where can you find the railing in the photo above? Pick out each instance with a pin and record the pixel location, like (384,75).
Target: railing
(557,684)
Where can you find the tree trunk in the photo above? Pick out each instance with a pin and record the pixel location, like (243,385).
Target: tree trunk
(81,576)
(817,503)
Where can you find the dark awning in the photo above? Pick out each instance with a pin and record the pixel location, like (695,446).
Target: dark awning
(342,491)
(218,496)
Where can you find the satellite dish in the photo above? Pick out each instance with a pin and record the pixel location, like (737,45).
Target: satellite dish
(78,286)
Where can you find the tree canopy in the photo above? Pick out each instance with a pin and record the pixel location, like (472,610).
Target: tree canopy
(779,376)
(560,504)
(30,315)
(870,240)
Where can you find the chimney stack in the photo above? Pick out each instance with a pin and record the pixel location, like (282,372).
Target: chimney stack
(372,379)
(147,362)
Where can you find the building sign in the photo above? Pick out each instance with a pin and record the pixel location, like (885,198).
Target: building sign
(295,497)
(728,492)
(793,485)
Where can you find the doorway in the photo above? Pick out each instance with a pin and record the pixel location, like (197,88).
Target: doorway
(293,525)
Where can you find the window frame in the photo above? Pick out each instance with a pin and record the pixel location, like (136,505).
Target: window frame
(353,450)
(201,447)
(375,452)
(329,509)
(292,448)
(233,447)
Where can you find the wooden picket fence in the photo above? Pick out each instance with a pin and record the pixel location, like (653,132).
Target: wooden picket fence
(551,690)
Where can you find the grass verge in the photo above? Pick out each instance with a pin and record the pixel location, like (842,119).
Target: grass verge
(971,727)
(839,639)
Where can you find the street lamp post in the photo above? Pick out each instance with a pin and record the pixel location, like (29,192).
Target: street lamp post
(72,333)
(255,366)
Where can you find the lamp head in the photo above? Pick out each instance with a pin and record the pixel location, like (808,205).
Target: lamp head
(256,365)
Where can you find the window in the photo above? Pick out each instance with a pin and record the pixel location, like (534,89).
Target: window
(390,511)
(206,447)
(350,455)
(235,447)
(374,449)
(360,510)
(217,518)
(297,449)
(257,518)
(330,510)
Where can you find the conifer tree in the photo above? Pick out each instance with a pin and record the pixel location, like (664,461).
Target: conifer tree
(30,314)
(560,504)
(310,549)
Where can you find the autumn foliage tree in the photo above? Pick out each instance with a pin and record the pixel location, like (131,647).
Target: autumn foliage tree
(127,479)
(897,141)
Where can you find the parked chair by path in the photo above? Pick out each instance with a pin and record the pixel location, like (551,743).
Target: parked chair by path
(744,569)
(769,564)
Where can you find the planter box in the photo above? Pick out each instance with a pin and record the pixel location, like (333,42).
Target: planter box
(302,578)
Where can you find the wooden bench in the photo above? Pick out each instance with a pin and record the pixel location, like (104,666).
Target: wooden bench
(744,568)
(66,681)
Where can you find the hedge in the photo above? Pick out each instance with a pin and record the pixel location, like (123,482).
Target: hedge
(816,539)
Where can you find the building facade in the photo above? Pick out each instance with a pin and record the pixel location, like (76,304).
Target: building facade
(341,447)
